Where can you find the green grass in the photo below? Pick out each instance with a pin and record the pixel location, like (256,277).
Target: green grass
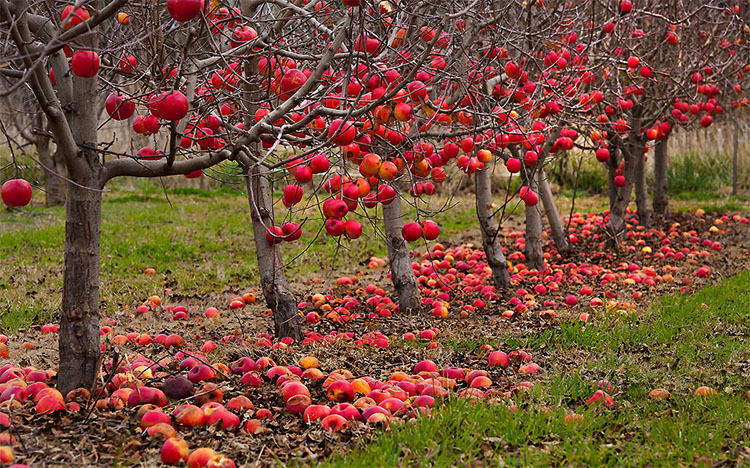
(692,176)
(592,175)
(199,242)
(710,201)
(682,343)
(699,171)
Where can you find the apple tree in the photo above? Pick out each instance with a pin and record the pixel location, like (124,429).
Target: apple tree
(70,91)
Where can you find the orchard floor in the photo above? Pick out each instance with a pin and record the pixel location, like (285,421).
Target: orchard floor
(678,336)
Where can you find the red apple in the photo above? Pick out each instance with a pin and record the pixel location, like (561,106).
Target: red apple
(528,196)
(78,16)
(430,230)
(347,411)
(386,194)
(602,155)
(85,63)
(513,165)
(335,227)
(274,235)
(334,422)
(411,231)
(16,192)
(353,229)
(6,454)
(200,457)
(292,80)
(303,174)
(240,403)
(153,417)
(189,416)
(292,231)
(200,373)
(118,107)
(340,391)
(184,10)
(228,420)
(174,450)
(334,208)
(315,412)
(425,366)
(128,63)
(342,133)
(292,194)
(319,164)
(173,106)
(499,358)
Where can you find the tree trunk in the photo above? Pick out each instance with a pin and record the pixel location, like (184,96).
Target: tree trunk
(53,164)
(661,205)
(616,223)
(631,150)
(642,201)
(735,156)
(533,250)
(79,346)
(276,291)
(54,184)
(273,282)
(562,244)
(612,165)
(490,238)
(79,323)
(72,118)
(402,274)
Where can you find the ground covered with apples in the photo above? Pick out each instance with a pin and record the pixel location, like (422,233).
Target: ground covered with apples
(639,353)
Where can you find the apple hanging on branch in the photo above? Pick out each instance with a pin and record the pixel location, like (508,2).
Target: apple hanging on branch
(16,192)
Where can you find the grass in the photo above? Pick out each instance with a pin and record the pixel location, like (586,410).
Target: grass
(699,171)
(682,343)
(199,242)
(592,175)
(690,175)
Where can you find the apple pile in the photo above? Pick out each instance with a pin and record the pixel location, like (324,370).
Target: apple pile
(169,399)
(459,279)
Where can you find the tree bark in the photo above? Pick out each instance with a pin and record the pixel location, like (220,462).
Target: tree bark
(643,203)
(612,165)
(273,282)
(490,238)
(54,185)
(402,273)
(79,323)
(79,347)
(562,244)
(616,223)
(533,250)
(735,156)
(661,204)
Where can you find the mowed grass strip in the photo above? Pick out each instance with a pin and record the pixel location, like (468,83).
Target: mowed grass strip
(682,343)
